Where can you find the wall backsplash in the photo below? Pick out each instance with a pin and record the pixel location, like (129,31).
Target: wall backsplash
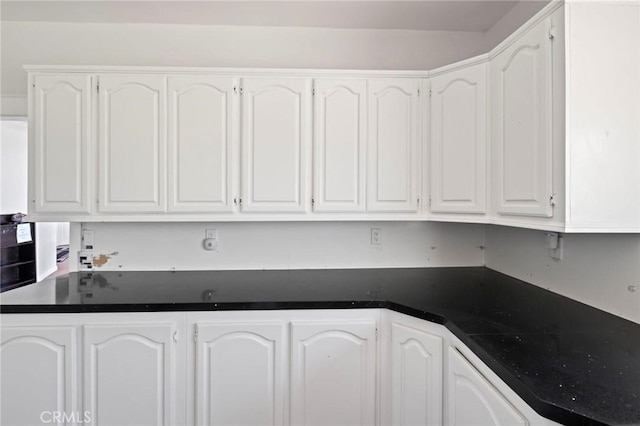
(601,270)
(290,245)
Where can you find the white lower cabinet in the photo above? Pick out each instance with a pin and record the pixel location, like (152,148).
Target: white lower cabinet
(240,373)
(333,370)
(473,400)
(39,373)
(416,373)
(314,367)
(129,373)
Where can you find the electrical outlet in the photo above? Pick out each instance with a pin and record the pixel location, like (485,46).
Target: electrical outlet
(210,239)
(87,239)
(376,236)
(85,260)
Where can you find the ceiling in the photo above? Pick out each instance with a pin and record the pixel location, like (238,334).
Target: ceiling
(433,15)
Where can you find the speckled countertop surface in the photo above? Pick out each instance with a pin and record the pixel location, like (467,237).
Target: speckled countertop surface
(572,363)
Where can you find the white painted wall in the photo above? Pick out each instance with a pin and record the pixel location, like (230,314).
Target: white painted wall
(13,166)
(597,269)
(46,233)
(13,192)
(293,245)
(54,43)
(512,20)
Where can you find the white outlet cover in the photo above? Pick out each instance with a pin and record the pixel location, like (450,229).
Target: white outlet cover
(210,244)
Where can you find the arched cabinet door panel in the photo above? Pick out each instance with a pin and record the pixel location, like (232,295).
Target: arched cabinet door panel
(39,374)
(522,125)
(240,373)
(473,400)
(130,374)
(61,141)
(333,371)
(458,141)
(202,124)
(132,143)
(416,374)
(339,145)
(393,149)
(276,143)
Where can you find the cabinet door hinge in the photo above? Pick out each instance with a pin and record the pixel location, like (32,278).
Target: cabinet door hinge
(552,201)
(418,201)
(33,85)
(313,91)
(235,90)
(552,33)
(195,335)
(98,87)
(175,336)
(376,334)
(313,201)
(241,90)
(429,201)
(418,92)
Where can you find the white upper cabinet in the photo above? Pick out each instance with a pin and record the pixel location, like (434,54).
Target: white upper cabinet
(240,373)
(521,85)
(132,143)
(129,374)
(339,145)
(202,125)
(603,116)
(393,148)
(458,140)
(473,400)
(61,145)
(276,140)
(39,374)
(333,373)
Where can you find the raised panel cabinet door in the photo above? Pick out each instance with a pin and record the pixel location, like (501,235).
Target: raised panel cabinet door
(393,151)
(62,143)
(522,125)
(132,143)
(39,375)
(333,372)
(473,400)
(339,145)
(203,117)
(240,373)
(276,137)
(458,140)
(129,374)
(416,371)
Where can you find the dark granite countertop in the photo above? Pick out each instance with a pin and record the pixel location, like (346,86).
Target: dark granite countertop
(571,363)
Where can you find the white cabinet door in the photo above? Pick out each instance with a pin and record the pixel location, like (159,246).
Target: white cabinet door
(473,400)
(132,143)
(339,145)
(522,125)
(416,371)
(333,370)
(129,374)
(240,373)
(393,158)
(202,117)
(39,375)
(458,140)
(276,136)
(62,143)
